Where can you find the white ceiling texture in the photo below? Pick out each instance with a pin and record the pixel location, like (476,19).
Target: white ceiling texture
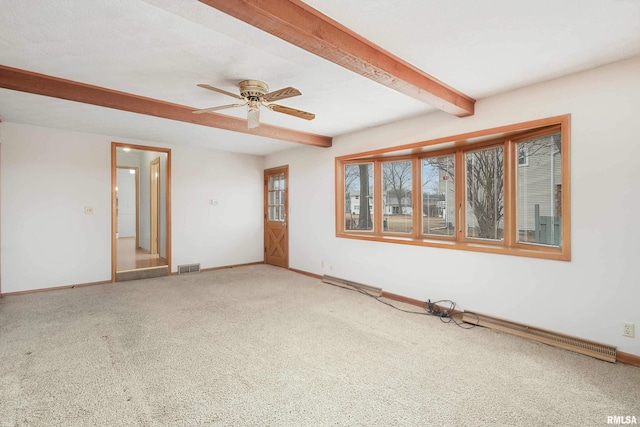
(162,49)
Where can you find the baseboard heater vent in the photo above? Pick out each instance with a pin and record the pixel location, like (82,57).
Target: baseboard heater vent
(189,268)
(567,342)
(352,285)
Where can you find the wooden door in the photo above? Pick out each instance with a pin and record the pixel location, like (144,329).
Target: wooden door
(154,208)
(276,208)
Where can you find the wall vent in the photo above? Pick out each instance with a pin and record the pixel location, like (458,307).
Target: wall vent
(567,342)
(352,285)
(189,268)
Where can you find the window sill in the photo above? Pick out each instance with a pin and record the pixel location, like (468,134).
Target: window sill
(531,251)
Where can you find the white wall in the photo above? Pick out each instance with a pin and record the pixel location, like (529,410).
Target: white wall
(230,232)
(48,176)
(126,183)
(588,297)
(132,159)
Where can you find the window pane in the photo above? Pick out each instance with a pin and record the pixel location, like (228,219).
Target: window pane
(358,203)
(275,200)
(397,205)
(485,193)
(539,196)
(438,196)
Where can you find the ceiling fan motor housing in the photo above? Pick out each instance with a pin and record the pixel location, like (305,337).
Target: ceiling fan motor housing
(253,89)
(254,94)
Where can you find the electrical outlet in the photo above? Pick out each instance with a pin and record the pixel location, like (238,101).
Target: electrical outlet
(628,330)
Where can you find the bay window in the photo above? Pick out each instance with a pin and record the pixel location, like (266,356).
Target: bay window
(502,190)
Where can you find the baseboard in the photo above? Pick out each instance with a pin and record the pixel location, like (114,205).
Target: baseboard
(55,288)
(628,358)
(421,304)
(306,273)
(336,281)
(402,298)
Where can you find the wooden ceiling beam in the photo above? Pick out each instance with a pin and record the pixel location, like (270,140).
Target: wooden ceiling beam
(307,28)
(41,84)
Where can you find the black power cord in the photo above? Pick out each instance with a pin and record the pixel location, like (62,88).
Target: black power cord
(446,315)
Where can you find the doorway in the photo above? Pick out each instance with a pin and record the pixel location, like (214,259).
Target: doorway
(276,208)
(141,212)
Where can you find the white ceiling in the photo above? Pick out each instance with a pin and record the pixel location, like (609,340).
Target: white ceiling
(162,48)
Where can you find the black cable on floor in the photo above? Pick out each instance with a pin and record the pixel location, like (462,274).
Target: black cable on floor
(431,309)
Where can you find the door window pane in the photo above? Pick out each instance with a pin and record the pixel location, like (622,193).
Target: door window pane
(485,193)
(358,194)
(438,196)
(275,199)
(397,206)
(539,191)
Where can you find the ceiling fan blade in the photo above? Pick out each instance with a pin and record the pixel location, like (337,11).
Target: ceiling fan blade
(286,92)
(215,89)
(222,107)
(291,111)
(253,118)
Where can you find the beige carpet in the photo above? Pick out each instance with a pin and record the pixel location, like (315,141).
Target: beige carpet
(263,346)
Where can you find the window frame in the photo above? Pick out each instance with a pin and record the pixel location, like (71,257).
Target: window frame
(457,145)
(464,228)
(435,154)
(373,230)
(379,194)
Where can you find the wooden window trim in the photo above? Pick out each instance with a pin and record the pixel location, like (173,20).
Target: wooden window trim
(458,145)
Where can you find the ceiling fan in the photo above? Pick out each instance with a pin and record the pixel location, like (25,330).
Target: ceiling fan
(253,94)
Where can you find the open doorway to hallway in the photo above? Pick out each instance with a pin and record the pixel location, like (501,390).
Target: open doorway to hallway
(141,212)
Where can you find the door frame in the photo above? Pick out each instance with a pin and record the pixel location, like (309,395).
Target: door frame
(114,242)
(274,171)
(154,206)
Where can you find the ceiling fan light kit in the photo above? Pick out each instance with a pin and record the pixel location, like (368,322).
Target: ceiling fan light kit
(255,93)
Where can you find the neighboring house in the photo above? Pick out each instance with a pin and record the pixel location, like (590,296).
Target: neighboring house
(353,203)
(434,204)
(540,184)
(391,205)
(389,202)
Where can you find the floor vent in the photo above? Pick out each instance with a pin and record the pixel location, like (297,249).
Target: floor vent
(352,285)
(567,342)
(189,268)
